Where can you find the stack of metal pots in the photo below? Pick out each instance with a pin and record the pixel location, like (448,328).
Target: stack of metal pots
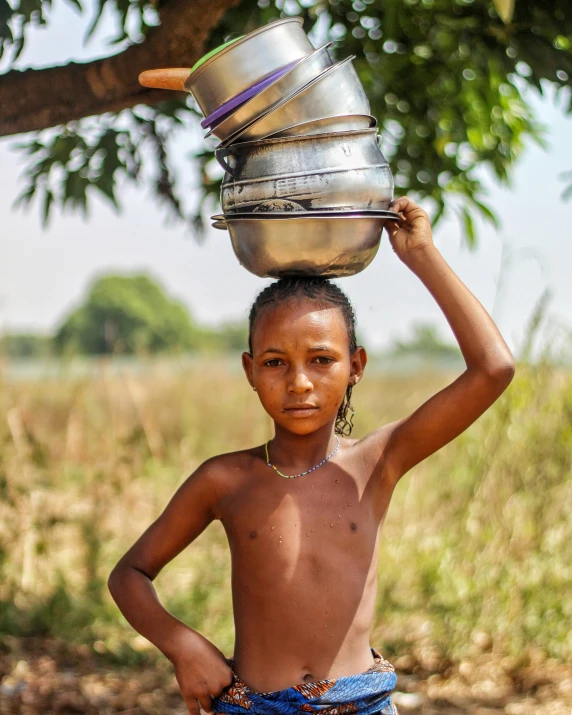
(306,187)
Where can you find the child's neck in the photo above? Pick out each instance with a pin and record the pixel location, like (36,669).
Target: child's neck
(301,452)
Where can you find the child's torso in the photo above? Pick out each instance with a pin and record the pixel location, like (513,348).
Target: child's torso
(304,569)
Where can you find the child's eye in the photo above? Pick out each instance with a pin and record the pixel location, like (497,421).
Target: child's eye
(327,359)
(272,363)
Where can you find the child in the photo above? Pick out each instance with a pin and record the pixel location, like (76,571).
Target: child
(302,513)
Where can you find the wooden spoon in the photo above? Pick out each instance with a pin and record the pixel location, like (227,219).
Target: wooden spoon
(169,78)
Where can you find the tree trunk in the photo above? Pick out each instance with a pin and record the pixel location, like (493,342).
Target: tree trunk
(37,99)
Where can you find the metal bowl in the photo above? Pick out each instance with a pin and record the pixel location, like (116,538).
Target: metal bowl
(219,220)
(345,123)
(246,61)
(228,108)
(341,171)
(303,72)
(336,91)
(214,52)
(332,246)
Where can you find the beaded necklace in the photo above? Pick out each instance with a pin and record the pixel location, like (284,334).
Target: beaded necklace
(293,476)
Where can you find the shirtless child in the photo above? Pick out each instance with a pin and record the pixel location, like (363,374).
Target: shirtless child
(303,513)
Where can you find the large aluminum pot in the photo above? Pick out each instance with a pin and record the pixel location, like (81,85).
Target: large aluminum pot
(341,171)
(336,91)
(332,246)
(306,70)
(244,62)
(220,219)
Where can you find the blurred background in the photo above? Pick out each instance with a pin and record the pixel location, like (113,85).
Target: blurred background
(123,316)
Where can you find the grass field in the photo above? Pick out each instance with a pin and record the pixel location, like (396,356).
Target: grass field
(477,547)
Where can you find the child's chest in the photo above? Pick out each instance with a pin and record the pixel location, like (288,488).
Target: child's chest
(318,518)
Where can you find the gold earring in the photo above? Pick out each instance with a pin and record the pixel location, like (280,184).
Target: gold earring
(254,388)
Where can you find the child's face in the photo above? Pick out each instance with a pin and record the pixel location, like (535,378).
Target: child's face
(301,357)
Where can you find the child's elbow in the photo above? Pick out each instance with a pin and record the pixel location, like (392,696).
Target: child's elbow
(504,372)
(112,580)
(116,576)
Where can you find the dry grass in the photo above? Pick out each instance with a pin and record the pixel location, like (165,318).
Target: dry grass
(477,548)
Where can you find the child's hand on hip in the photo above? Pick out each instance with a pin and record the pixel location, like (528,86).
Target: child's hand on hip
(201,671)
(413,232)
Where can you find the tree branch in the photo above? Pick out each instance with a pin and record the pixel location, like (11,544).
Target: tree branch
(38,99)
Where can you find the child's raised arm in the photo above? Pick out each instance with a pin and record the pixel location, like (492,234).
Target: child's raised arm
(490,364)
(200,668)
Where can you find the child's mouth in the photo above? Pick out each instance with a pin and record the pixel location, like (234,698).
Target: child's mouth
(300,411)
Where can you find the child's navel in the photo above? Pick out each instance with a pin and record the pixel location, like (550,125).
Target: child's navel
(253,534)
(353,526)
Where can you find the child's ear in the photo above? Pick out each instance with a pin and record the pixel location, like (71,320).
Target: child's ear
(358,361)
(247,366)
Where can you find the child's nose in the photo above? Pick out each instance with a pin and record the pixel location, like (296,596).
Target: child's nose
(300,382)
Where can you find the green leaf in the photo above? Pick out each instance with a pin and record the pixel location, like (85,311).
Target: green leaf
(64,146)
(469,228)
(6,13)
(439,213)
(566,176)
(17,47)
(26,196)
(75,186)
(48,200)
(94,23)
(76,4)
(487,213)
(106,185)
(6,36)
(27,9)
(121,37)
(505,9)
(567,193)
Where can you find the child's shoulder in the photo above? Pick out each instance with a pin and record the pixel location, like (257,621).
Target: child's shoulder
(220,476)
(221,468)
(241,459)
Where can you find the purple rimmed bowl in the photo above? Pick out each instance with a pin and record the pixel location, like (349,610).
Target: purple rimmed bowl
(220,114)
(241,64)
(300,75)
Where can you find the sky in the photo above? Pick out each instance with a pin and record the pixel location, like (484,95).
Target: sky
(45,273)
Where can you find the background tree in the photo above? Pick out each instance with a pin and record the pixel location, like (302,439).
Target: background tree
(126,314)
(445,80)
(425,341)
(25,345)
(133,315)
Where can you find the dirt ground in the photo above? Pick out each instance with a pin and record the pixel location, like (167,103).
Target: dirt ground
(42,676)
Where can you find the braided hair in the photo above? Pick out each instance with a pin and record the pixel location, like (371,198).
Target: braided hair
(324,293)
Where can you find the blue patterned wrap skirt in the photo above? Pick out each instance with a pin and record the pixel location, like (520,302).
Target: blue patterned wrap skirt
(366,693)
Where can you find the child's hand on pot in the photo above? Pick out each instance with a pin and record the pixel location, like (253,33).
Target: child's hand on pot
(413,232)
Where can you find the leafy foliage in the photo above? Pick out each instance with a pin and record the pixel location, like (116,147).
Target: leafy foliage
(15,18)
(134,18)
(96,155)
(567,176)
(445,80)
(505,9)
(127,314)
(425,341)
(133,315)
(24,345)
